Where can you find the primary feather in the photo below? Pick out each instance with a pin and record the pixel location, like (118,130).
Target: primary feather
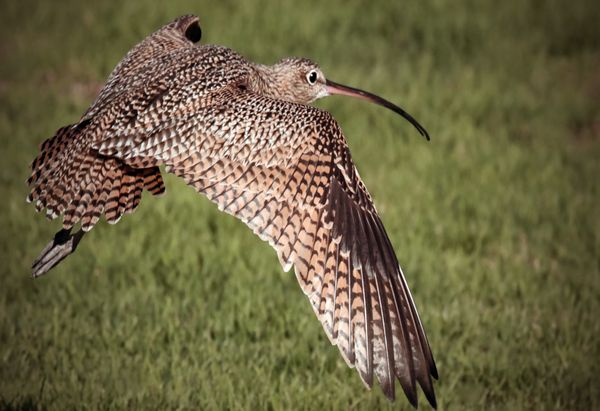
(281,166)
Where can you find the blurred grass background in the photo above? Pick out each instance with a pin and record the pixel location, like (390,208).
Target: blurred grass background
(496,221)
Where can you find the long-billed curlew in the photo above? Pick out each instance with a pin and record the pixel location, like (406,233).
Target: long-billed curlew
(244,135)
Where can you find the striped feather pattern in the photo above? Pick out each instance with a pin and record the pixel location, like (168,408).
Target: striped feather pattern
(284,169)
(238,133)
(68,179)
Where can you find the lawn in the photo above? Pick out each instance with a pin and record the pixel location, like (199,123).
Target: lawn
(496,220)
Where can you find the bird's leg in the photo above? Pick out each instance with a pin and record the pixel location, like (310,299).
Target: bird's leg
(63,244)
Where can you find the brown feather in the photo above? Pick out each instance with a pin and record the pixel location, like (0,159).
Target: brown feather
(241,134)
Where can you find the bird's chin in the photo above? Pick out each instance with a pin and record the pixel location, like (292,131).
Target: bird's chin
(322,93)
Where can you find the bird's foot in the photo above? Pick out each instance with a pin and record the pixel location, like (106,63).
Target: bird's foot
(63,244)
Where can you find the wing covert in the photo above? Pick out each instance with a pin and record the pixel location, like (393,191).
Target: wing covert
(182,32)
(285,170)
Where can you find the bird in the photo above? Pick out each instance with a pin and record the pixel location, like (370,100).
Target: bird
(246,136)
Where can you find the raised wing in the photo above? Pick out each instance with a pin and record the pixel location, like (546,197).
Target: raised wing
(285,170)
(69,178)
(181,33)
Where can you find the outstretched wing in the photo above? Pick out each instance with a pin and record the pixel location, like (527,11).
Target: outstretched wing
(285,170)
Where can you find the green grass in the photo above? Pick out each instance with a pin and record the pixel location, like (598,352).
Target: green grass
(496,221)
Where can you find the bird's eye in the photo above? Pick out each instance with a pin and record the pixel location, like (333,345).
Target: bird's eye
(311,77)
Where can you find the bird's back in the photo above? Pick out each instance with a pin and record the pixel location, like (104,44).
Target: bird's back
(164,78)
(282,167)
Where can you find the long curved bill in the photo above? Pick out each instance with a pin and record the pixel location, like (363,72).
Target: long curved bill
(335,88)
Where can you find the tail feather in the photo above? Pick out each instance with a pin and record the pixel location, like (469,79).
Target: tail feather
(112,204)
(71,179)
(50,149)
(154,183)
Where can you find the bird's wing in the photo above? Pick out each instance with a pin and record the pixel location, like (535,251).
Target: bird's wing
(285,170)
(181,33)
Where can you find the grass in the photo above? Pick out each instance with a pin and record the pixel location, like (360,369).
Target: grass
(495,221)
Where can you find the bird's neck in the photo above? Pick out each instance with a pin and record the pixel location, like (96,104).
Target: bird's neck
(270,81)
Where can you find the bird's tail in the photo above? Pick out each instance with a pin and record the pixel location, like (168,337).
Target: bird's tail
(69,178)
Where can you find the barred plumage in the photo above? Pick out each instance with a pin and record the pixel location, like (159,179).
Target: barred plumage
(242,134)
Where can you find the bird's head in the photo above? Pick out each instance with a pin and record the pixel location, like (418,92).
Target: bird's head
(301,80)
(298,80)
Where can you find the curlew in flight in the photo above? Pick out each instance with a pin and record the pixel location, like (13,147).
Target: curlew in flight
(244,135)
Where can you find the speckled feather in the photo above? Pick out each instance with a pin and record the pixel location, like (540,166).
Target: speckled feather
(283,168)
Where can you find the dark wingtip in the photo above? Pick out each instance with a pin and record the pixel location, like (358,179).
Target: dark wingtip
(433,370)
(388,388)
(430,395)
(189,26)
(193,32)
(411,394)
(413,398)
